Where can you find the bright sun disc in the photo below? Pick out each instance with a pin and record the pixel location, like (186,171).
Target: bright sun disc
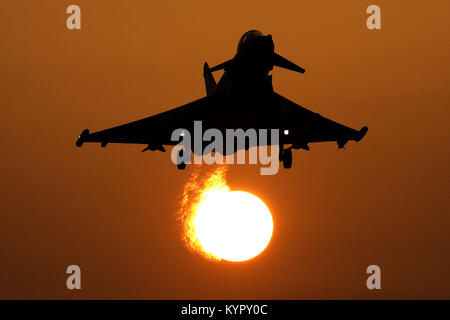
(233,225)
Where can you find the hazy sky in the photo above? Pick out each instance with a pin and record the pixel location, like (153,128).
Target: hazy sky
(382,201)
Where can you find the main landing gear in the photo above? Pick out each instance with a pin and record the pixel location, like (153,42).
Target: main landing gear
(286,157)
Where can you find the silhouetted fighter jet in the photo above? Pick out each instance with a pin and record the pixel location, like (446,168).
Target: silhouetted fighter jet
(243,98)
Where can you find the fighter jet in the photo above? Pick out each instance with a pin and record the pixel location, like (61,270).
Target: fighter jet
(242,98)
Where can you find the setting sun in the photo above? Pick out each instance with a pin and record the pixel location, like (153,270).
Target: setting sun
(220,224)
(233,225)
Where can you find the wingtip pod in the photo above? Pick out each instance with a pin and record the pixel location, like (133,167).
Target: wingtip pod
(361,133)
(81,137)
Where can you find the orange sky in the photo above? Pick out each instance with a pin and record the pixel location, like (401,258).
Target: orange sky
(382,201)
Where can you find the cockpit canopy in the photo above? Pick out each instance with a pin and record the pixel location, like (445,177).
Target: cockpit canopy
(249,35)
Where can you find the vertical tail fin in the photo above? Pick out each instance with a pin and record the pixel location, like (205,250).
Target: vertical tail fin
(210,83)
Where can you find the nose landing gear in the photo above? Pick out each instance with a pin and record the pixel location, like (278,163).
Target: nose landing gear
(180,163)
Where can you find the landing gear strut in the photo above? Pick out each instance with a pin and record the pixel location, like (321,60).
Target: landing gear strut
(180,164)
(287,158)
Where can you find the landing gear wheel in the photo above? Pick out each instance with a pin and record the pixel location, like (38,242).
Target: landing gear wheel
(287,158)
(181,166)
